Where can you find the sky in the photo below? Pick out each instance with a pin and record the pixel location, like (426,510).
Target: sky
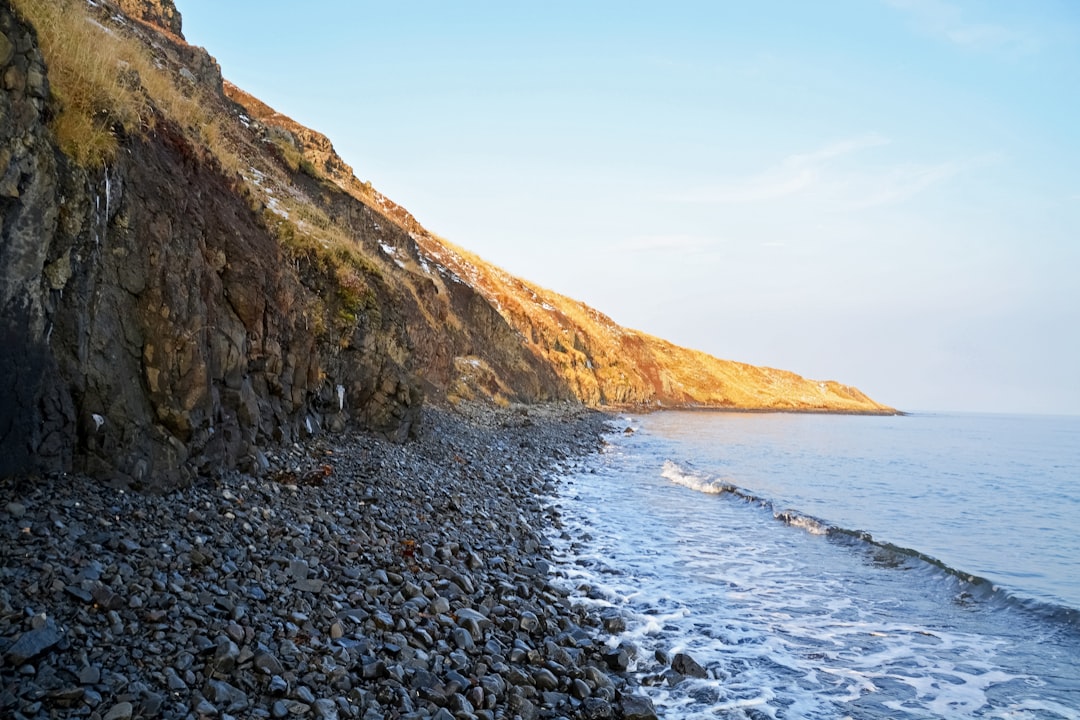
(880,192)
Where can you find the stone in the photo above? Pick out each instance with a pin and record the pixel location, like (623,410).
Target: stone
(528,621)
(292,662)
(325,709)
(686,665)
(266,663)
(225,656)
(222,694)
(617,659)
(311,585)
(544,679)
(637,707)
(90,675)
(151,705)
(614,622)
(235,632)
(596,709)
(174,681)
(33,643)
(298,569)
(463,639)
(524,708)
(205,708)
(120,711)
(106,599)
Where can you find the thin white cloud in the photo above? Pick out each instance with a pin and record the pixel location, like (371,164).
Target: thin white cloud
(838,149)
(901,183)
(947,21)
(795,174)
(829,179)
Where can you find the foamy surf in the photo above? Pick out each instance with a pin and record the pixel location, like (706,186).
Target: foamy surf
(694,481)
(700,482)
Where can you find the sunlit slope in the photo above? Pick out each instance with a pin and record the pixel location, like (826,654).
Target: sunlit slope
(608,365)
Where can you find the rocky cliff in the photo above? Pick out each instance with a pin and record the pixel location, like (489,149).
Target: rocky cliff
(188,277)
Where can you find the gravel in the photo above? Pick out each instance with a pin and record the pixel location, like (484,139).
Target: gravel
(356,579)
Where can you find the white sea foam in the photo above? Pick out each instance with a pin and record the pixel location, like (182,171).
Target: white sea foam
(694,481)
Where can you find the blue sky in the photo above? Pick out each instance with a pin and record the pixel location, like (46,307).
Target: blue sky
(881,192)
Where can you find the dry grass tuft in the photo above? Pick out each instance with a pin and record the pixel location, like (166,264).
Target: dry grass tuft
(107,84)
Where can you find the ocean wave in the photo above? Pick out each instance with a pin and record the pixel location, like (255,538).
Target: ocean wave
(695,481)
(971,587)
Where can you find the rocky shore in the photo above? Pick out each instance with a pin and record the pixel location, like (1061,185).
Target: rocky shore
(356,579)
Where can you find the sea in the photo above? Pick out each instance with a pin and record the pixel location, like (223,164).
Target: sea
(835,566)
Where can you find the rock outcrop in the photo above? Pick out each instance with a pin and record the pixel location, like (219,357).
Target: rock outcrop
(162,13)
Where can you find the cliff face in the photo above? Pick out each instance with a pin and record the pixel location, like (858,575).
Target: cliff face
(204,278)
(153,327)
(202,297)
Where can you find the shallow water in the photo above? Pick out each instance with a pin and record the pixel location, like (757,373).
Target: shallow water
(677,526)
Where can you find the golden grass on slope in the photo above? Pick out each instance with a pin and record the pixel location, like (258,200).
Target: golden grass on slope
(605,364)
(105,82)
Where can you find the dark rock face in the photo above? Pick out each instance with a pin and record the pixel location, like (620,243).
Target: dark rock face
(151,327)
(36,415)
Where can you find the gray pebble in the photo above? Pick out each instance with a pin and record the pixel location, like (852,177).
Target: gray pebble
(120,711)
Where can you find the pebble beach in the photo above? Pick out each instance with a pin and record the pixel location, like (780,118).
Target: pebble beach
(355,578)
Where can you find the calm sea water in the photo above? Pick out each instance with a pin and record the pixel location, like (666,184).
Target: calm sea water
(820,566)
